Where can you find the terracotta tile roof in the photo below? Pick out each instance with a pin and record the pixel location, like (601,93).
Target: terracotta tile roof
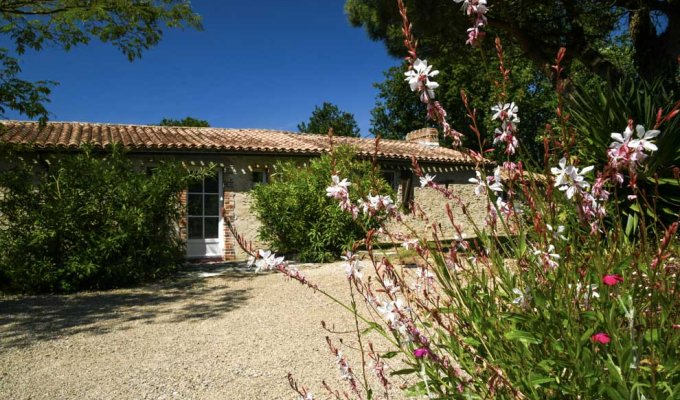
(70,135)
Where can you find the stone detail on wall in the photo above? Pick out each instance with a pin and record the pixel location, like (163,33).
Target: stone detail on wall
(431,209)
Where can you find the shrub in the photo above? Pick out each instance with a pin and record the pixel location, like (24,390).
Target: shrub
(297,216)
(88,221)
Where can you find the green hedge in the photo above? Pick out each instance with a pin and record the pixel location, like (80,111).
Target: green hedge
(86,221)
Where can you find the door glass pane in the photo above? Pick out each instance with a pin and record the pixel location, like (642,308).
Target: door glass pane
(196,187)
(211,184)
(212,204)
(195,227)
(211,227)
(195,204)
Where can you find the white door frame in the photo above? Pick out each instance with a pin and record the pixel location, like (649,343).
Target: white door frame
(213,247)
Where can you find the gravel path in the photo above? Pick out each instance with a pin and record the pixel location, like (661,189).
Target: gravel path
(209,335)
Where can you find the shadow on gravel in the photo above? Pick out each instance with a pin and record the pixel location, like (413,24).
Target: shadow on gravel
(190,297)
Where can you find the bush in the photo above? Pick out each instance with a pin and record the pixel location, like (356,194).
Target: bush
(297,216)
(86,221)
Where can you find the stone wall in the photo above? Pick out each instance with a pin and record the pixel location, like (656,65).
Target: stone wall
(238,181)
(431,205)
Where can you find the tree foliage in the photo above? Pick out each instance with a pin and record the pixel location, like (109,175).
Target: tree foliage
(441,29)
(538,29)
(188,121)
(330,116)
(397,111)
(130,26)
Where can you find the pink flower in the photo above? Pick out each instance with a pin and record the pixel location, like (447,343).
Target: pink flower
(421,352)
(601,338)
(612,280)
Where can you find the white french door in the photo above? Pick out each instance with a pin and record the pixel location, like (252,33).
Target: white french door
(204,218)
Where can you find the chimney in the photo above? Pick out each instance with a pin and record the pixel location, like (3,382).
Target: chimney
(424,136)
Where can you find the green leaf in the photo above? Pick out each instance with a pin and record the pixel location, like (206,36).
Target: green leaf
(586,335)
(406,371)
(522,336)
(390,354)
(539,380)
(472,341)
(652,335)
(373,326)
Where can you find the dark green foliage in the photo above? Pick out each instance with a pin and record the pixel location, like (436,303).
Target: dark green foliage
(597,111)
(537,29)
(130,26)
(397,111)
(296,215)
(85,221)
(330,116)
(598,49)
(188,121)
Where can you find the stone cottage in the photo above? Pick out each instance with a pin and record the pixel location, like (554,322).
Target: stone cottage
(245,157)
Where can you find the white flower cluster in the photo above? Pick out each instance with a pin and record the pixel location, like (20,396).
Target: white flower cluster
(371,206)
(393,313)
(507,113)
(265,260)
(476,9)
(491,182)
(627,150)
(548,257)
(570,179)
(418,79)
(352,266)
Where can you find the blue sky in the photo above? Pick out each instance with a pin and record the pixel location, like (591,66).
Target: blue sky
(262,64)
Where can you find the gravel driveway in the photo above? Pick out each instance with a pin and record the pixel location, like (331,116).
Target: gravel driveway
(221,334)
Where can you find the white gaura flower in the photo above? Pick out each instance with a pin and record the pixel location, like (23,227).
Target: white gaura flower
(352,265)
(265,260)
(507,111)
(427,180)
(557,233)
(522,298)
(338,190)
(391,311)
(643,138)
(569,179)
(377,203)
(410,244)
(548,257)
(390,287)
(589,293)
(494,181)
(480,187)
(418,78)
(621,139)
